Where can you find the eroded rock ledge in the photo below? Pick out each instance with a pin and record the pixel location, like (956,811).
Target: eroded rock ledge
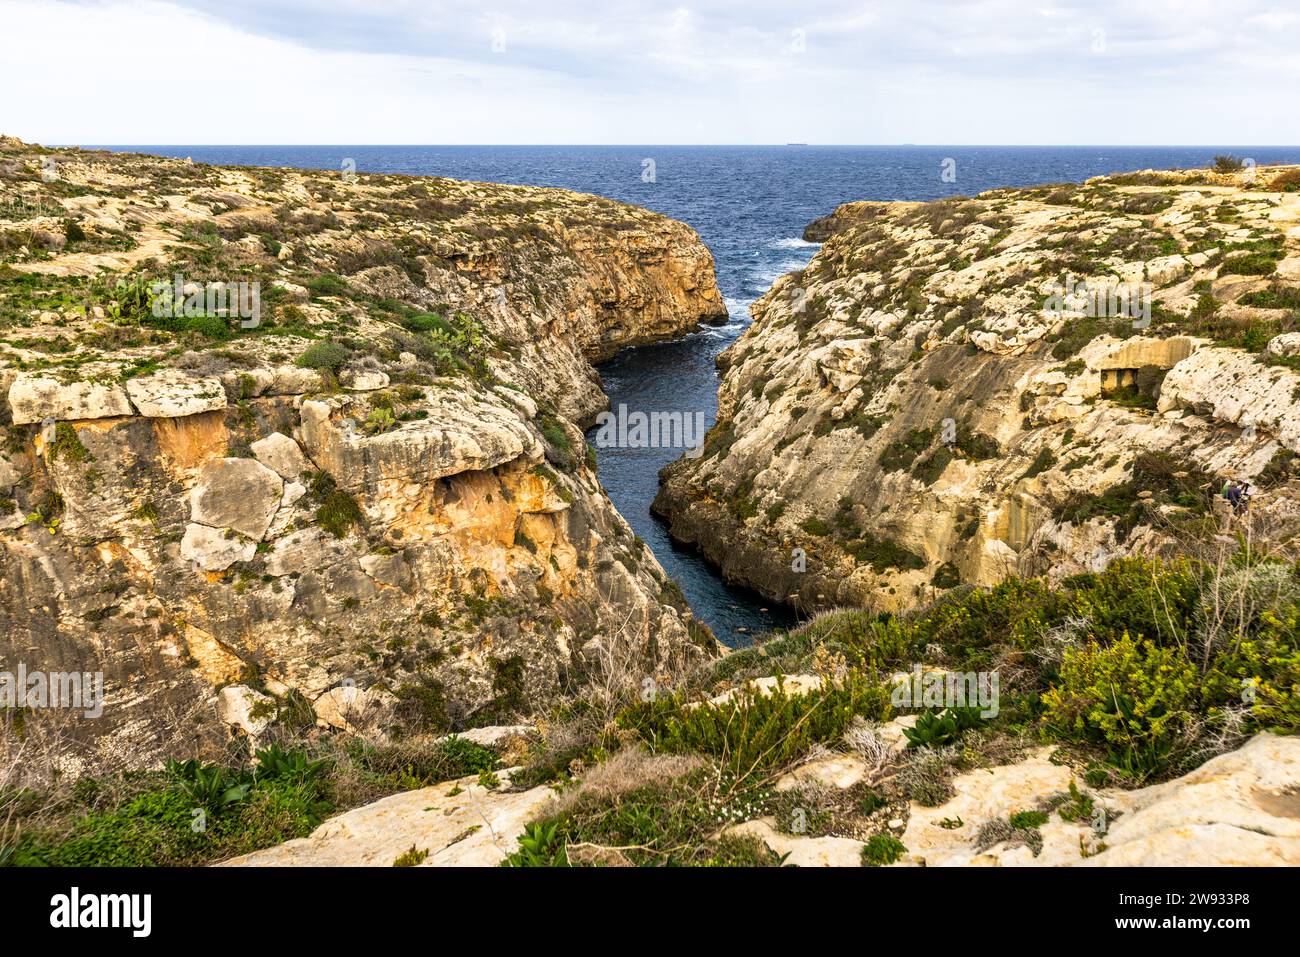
(905,415)
(380,487)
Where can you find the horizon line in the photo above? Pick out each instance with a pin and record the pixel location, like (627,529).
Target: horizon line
(88,145)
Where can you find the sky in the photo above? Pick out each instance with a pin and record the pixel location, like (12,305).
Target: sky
(1115,72)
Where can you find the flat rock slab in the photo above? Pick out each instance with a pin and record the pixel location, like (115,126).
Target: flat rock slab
(493,734)
(1238,809)
(308,549)
(837,771)
(804,851)
(463,432)
(475,827)
(214,549)
(242,494)
(281,455)
(35,398)
(172,394)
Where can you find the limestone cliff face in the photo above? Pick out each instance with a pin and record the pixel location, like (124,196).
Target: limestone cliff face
(914,410)
(378,483)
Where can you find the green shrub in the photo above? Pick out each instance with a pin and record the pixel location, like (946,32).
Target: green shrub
(815,526)
(1075,805)
(337,511)
(882,554)
(327,284)
(669,821)
(1044,460)
(324,356)
(1078,332)
(946,576)
(1170,481)
(559,450)
(379,420)
(1275,296)
(900,453)
(417,761)
(1249,264)
(1287,182)
(189,813)
(411,858)
(932,466)
(1026,820)
(756,732)
(67,444)
(740,850)
(422,706)
(977,446)
(882,850)
(541,845)
(1132,697)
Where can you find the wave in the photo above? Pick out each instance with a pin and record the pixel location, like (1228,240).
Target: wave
(794,242)
(769,273)
(737,312)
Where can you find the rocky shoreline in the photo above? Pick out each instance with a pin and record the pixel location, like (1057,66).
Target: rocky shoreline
(381,488)
(904,416)
(357,594)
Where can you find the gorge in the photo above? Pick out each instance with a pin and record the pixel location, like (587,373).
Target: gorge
(359,560)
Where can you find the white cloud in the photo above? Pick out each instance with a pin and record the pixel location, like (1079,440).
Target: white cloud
(637,71)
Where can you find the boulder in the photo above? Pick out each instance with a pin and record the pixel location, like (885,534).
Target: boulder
(271,381)
(838,771)
(307,550)
(1235,387)
(492,735)
(214,549)
(791,684)
(1241,808)
(1238,809)
(1287,344)
(387,569)
(364,380)
(235,707)
(35,398)
(242,494)
(463,432)
(172,394)
(342,708)
(281,454)
(9,475)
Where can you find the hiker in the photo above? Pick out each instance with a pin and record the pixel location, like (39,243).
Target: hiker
(1236,493)
(1243,497)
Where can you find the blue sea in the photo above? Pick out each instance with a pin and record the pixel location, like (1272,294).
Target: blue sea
(750,205)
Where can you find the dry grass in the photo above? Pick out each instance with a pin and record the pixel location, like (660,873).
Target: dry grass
(866,742)
(625,771)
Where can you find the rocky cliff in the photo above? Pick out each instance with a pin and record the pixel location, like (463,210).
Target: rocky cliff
(957,390)
(360,473)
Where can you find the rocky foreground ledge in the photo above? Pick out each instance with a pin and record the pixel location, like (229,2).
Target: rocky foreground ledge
(909,413)
(1241,809)
(372,483)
